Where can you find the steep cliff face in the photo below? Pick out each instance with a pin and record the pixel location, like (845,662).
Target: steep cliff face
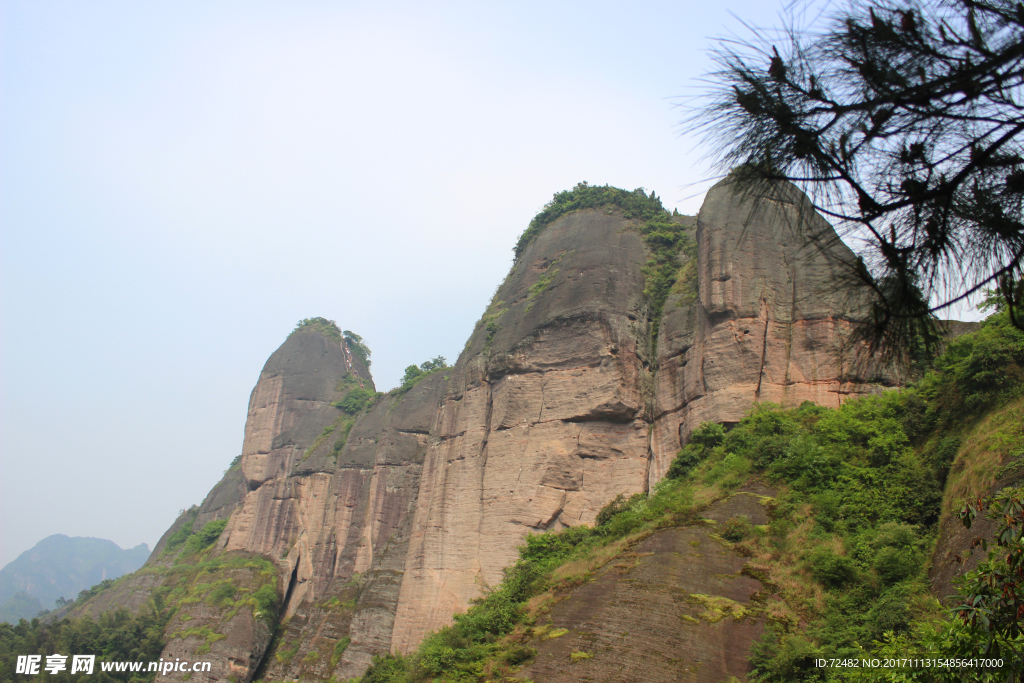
(762,318)
(343,597)
(543,420)
(326,513)
(380,524)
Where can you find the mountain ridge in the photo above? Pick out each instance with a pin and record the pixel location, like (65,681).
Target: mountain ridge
(617,332)
(61,566)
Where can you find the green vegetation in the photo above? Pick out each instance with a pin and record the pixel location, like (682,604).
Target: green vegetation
(664,236)
(342,439)
(236,463)
(285,655)
(330,329)
(996,589)
(635,204)
(536,289)
(326,327)
(667,240)
(84,595)
(357,347)
(844,553)
(339,650)
(541,284)
(977,371)
(114,636)
(414,375)
(208,635)
(190,542)
(356,401)
(228,583)
(205,537)
(178,538)
(490,321)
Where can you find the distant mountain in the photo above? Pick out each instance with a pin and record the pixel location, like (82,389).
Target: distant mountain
(61,566)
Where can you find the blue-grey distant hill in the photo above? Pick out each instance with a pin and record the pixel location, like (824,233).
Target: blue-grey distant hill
(60,567)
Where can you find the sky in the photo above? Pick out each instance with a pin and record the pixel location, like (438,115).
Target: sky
(180,183)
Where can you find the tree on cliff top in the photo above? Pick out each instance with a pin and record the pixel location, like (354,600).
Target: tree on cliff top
(903,122)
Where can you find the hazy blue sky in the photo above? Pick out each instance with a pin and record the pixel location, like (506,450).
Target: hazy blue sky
(181,182)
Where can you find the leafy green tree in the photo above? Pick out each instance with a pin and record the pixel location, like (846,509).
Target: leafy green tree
(903,121)
(413,373)
(993,604)
(357,346)
(436,363)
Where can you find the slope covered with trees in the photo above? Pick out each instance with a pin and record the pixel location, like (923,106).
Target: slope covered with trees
(57,568)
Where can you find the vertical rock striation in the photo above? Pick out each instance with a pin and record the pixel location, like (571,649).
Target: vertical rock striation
(767,318)
(543,420)
(382,525)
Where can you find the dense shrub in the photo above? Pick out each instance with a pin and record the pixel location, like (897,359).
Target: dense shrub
(386,669)
(708,435)
(736,529)
(897,564)
(113,636)
(355,401)
(205,537)
(267,602)
(830,569)
(977,371)
(687,459)
(413,375)
(357,346)
(703,439)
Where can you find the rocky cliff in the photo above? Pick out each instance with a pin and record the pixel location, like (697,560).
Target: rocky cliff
(381,523)
(764,319)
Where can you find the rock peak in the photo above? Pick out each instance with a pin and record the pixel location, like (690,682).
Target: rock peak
(386,518)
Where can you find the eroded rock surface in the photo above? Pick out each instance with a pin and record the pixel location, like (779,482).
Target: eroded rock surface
(676,608)
(558,403)
(543,420)
(769,320)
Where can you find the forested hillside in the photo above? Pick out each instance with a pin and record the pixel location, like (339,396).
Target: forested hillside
(57,568)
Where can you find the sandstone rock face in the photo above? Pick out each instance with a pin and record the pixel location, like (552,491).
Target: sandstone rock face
(324,515)
(677,608)
(767,321)
(328,522)
(343,597)
(543,420)
(559,402)
(233,641)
